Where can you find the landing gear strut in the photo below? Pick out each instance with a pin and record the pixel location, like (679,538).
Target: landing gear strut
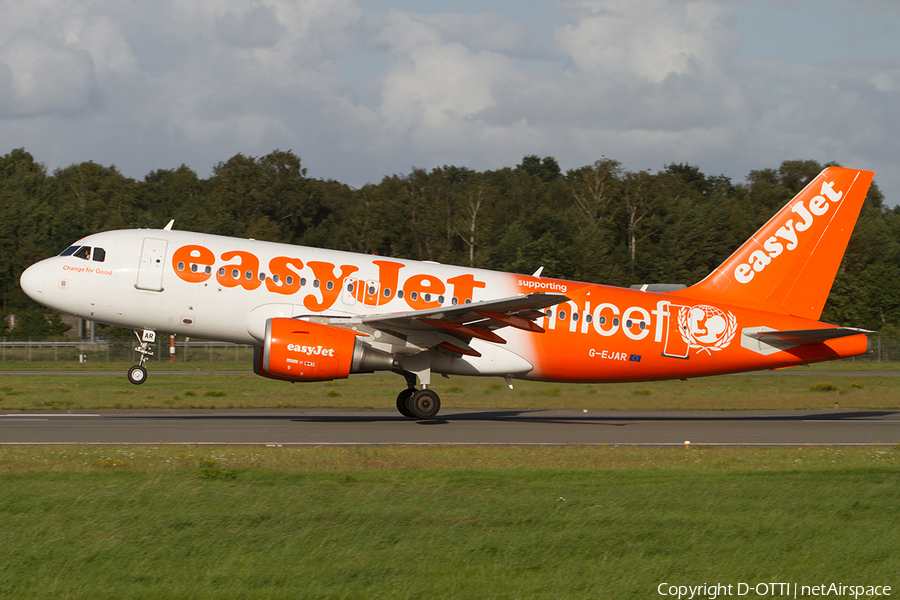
(415,403)
(138,373)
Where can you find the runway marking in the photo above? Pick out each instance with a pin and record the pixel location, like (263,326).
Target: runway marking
(46,416)
(884,421)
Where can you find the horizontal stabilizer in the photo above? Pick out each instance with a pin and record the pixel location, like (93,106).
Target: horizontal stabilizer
(658,288)
(807,336)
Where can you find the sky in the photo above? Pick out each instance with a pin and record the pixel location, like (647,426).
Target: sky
(362,89)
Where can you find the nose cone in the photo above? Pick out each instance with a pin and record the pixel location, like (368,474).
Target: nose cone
(32,281)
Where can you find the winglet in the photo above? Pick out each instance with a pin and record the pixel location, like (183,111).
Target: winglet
(790,263)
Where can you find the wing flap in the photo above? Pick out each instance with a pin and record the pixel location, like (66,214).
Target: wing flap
(475,320)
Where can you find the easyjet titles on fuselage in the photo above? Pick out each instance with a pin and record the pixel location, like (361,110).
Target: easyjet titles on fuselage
(198,264)
(195,264)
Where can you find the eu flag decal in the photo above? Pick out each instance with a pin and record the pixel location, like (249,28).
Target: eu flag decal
(634,358)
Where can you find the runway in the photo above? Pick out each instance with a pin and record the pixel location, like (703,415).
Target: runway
(460,427)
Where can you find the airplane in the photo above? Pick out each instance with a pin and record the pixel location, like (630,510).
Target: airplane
(317,315)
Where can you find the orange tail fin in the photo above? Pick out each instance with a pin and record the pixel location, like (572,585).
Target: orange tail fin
(790,263)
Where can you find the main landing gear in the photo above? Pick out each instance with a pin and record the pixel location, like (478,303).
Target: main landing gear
(138,373)
(415,403)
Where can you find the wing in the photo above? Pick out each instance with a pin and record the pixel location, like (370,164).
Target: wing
(453,327)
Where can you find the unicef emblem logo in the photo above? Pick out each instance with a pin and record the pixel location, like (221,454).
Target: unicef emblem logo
(706,328)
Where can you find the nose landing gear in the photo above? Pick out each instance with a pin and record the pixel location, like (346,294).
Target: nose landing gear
(138,373)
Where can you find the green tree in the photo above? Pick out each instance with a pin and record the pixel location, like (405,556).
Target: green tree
(34,324)
(546,169)
(26,222)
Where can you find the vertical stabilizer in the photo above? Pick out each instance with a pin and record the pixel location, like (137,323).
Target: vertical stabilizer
(790,263)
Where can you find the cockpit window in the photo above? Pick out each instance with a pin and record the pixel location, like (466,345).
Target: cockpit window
(70,250)
(84,253)
(99,254)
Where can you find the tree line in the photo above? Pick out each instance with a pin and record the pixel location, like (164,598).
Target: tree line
(599,223)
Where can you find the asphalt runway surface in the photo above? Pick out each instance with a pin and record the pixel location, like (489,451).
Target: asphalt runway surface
(464,427)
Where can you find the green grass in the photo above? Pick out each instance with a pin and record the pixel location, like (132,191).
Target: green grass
(126,522)
(783,390)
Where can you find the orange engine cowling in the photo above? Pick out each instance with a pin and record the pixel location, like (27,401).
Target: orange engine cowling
(298,350)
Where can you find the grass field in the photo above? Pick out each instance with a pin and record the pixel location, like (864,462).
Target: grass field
(123,522)
(441,522)
(779,390)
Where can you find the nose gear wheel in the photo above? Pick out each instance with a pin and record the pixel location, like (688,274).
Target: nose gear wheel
(138,373)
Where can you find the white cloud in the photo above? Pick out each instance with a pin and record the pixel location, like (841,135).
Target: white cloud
(434,86)
(650,39)
(40,77)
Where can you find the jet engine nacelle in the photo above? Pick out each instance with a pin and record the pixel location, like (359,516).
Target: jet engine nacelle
(298,350)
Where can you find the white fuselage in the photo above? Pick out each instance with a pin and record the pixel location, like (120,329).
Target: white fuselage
(228,288)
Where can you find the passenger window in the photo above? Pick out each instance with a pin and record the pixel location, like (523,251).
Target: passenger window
(99,254)
(83,253)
